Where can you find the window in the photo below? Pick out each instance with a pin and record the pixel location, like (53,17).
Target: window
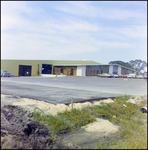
(101,69)
(115,69)
(94,70)
(94,67)
(88,72)
(129,71)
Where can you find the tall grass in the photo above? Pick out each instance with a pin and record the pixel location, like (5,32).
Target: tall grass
(133,130)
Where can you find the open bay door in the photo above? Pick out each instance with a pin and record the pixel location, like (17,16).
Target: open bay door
(46,68)
(24,70)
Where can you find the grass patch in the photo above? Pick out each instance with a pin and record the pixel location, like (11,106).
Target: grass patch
(77,117)
(132,136)
(114,112)
(64,122)
(55,124)
(133,130)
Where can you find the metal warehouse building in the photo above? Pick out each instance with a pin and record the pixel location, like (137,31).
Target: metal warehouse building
(66,67)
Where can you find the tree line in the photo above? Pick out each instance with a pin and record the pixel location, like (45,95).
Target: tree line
(137,64)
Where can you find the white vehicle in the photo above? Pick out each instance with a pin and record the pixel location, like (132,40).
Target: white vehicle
(139,76)
(116,76)
(131,75)
(4,73)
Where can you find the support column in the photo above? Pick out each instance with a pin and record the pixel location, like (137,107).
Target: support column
(119,70)
(52,70)
(111,69)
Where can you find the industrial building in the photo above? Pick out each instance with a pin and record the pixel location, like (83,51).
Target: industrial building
(65,67)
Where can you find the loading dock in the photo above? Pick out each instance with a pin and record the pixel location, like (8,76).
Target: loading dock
(25,70)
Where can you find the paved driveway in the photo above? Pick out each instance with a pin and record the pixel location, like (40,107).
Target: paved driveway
(63,89)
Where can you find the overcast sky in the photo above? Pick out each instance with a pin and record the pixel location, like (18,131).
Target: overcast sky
(100,31)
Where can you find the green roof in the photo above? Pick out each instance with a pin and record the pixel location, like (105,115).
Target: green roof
(74,63)
(61,62)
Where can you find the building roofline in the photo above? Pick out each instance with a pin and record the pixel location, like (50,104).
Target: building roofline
(124,67)
(86,61)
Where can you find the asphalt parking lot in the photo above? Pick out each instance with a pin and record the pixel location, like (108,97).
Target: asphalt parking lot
(58,90)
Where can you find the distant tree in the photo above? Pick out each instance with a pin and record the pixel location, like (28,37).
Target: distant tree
(117,62)
(126,64)
(138,65)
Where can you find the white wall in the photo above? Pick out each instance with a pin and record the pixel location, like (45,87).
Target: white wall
(81,71)
(111,69)
(119,70)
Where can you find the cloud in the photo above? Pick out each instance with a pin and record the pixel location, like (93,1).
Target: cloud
(15,7)
(34,32)
(11,14)
(20,17)
(134,32)
(49,46)
(118,14)
(112,45)
(79,9)
(76,26)
(87,9)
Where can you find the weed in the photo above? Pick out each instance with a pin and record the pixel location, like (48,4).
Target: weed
(132,97)
(142,97)
(101,145)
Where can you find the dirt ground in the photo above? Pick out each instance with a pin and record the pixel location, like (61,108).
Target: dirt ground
(19,131)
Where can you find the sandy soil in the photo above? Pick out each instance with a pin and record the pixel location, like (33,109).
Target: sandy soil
(44,107)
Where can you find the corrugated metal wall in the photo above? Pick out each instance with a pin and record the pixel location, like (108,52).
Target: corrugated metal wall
(12,66)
